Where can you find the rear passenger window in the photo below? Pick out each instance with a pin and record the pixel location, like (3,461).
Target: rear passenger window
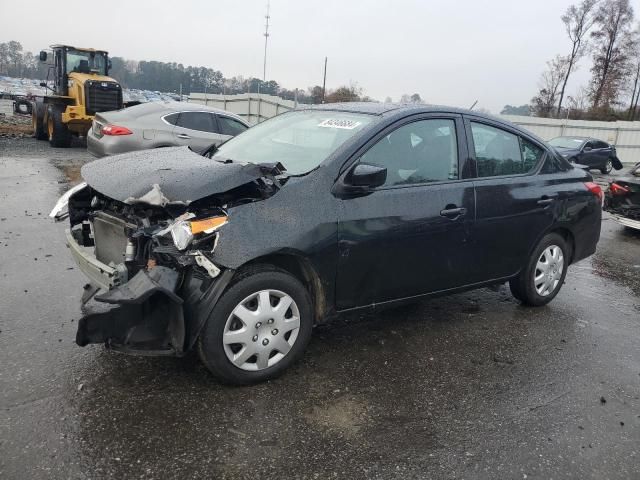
(499,152)
(200,121)
(229,126)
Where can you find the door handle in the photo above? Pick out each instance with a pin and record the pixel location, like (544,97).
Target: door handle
(183,135)
(545,200)
(453,213)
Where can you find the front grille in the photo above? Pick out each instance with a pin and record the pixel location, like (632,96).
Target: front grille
(102,96)
(110,237)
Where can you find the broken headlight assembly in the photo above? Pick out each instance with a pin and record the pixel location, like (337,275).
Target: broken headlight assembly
(184,229)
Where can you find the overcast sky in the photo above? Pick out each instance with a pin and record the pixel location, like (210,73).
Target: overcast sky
(451,52)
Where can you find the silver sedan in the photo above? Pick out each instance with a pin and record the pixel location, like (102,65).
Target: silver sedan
(161,124)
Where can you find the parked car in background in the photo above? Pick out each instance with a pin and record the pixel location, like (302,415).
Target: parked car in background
(590,152)
(240,251)
(161,124)
(623,199)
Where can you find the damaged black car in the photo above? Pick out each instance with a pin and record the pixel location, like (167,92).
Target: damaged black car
(240,251)
(623,199)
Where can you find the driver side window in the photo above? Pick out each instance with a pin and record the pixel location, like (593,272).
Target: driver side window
(425,151)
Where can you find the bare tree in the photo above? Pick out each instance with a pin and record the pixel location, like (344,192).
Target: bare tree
(635,90)
(543,104)
(613,44)
(578,20)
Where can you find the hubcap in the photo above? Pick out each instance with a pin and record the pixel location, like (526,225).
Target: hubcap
(548,270)
(261,330)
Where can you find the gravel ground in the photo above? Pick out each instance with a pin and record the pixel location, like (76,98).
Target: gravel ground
(468,386)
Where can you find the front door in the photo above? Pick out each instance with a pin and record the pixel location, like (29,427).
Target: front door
(410,236)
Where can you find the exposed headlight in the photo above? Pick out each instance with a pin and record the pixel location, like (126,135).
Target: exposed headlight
(183,231)
(181,234)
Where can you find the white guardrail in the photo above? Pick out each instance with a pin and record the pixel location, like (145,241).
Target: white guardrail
(625,136)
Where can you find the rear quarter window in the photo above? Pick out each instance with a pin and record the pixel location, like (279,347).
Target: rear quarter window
(172,118)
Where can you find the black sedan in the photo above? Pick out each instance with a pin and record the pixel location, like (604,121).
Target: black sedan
(590,152)
(239,252)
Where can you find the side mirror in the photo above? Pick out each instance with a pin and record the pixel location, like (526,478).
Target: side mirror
(367,175)
(109,66)
(587,149)
(360,181)
(43,56)
(43,84)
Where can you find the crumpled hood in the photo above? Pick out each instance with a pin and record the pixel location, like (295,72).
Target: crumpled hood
(167,175)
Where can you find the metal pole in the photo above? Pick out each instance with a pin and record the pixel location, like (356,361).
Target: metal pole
(266,39)
(324,81)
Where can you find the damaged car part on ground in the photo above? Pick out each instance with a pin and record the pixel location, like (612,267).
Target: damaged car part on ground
(623,199)
(240,251)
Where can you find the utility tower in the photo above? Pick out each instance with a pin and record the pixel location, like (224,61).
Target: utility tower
(266,40)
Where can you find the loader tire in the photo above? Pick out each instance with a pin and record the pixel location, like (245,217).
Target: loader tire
(58,133)
(37,120)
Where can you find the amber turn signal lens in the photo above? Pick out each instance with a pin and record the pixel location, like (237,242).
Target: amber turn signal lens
(199,226)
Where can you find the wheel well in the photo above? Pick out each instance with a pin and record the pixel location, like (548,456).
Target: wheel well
(302,270)
(568,237)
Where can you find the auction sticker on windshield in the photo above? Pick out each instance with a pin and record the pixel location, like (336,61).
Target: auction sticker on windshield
(335,123)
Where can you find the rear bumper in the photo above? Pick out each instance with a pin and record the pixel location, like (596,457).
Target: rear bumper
(627,222)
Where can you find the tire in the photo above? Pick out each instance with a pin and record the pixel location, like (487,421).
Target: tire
(248,290)
(523,287)
(37,121)
(58,133)
(607,168)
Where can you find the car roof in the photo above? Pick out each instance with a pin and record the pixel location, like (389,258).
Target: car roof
(172,106)
(404,109)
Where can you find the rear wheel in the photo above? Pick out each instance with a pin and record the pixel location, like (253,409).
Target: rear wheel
(541,279)
(608,167)
(259,327)
(58,133)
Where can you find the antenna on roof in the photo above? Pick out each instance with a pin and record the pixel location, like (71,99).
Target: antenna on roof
(474,104)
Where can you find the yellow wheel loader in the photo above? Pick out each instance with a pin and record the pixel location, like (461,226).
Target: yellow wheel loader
(79,89)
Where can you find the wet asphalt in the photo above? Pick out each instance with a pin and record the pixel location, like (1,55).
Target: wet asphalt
(468,386)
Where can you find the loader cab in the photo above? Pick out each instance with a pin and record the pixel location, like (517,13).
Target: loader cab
(67,60)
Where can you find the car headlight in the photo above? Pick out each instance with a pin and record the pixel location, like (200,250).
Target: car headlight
(183,231)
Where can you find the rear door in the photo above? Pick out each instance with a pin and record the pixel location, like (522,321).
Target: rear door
(513,203)
(197,130)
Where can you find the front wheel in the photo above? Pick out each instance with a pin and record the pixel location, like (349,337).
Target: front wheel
(58,133)
(541,279)
(259,327)
(607,168)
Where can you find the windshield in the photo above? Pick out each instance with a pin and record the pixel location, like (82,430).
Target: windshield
(299,140)
(566,142)
(86,62)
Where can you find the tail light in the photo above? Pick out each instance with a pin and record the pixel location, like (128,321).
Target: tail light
(115,130)
(596,190)
(616,189)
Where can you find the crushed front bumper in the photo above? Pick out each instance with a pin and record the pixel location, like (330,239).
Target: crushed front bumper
(100,274)
(160,311)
